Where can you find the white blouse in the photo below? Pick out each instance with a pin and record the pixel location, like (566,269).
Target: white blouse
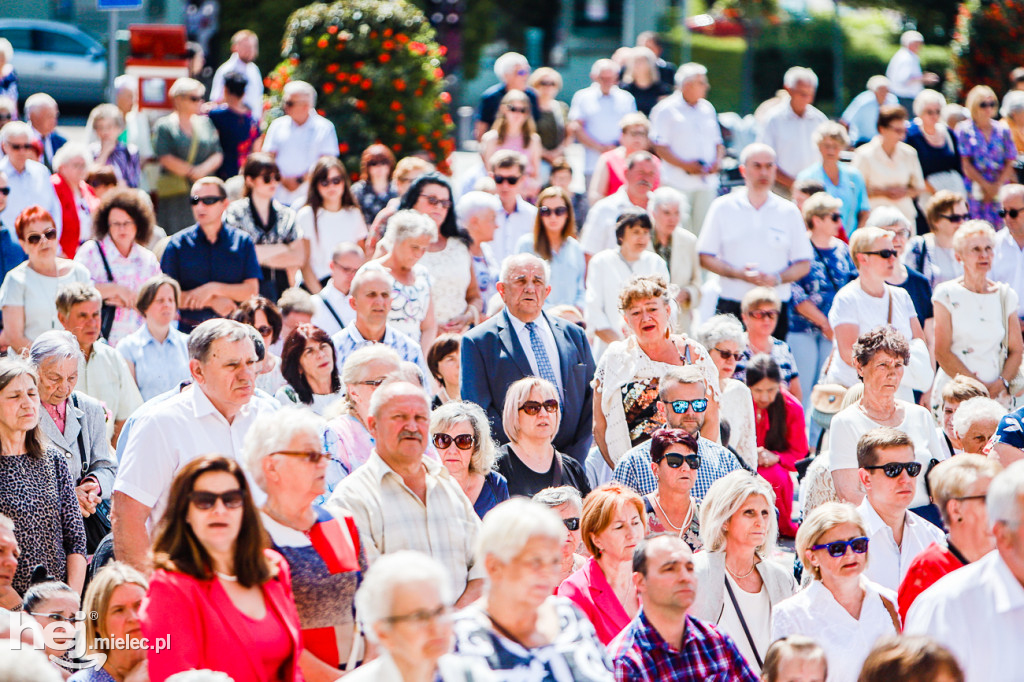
(738,410)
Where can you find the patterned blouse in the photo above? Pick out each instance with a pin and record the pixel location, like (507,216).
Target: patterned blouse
(370,203)
(450,274)
(831,270)
(988,156)
(130,272)
(655,524)
(781,354)
(409,303)
(124,160)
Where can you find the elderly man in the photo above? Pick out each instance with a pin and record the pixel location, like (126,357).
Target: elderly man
(9,598)
(975,422)
(28,181)
(686,135)
(904,70)
(517,215)
(978,610)
(478,215)
(789,125)
(215,264)
(11,254)
(245,46)
(678,389)
(211,416)
(1008,265)
(662,642)
(512,70)
(41,112)
(755,238)
(332,310)
(599,230)
(298,139)
(596,111)
(370,300)
(523,341)
(861,115)
(403,500)
(103,373)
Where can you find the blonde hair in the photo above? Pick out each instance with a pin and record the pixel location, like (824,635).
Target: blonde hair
(599,510)
(724,498)
(972,228)
(759,296)
(457,411)
(953,478)
(517,394)
(819,205)
(789,648)
(501,126)
(961,388)
(643,287)
(820,521)
(862,239)
(97,600)
(977,95)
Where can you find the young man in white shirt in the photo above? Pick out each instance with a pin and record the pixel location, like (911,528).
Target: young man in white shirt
(887,471)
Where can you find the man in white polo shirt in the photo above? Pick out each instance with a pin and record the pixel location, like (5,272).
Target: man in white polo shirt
(517,215)
(789,127)
(754,238)
(685,133)
(298,139)
(595,113)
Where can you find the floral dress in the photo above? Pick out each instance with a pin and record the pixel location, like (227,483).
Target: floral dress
(831,270)
(410,302)
(988,156)
(656,524)
(370,203)
(781,354)
(130,272)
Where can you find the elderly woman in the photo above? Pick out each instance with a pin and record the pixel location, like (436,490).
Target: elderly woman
(49,602)
(610,172)
(567,502)
(844,611)
(987,153)
(880,357)
(627,376)
(674,461)
(1012,113)
(107,123)
(613,522)
(77,200)
(975,422)
(444,361)
(741,583)
(529,462)
(937,150)
(554,240)
(677,246)
(760,310)
(113,602)
(409,235)
(29,291)
(840,180)
(330,216)
(957,391)
(517,630)
(156,352)
(374,188)
(309,365)
(974,317)
(890,167)
(284,455)
(210,555)
(462,436)
(723,337)
(117,257)
(37,490)
(958,486)
(188,148)
(265,317)
(932,254)
(610,269)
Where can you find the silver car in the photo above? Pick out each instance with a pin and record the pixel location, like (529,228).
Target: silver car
(59,59)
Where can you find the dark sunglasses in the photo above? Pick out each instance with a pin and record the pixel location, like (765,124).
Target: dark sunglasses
(955,217)
(1012,212)
(5,190)
(675,460)
(893,469)
(205,501)
(838,548)
(206,201)
(463,441)
(5,116)
(532,407)
(49,235)
(516,110)
(547,84)
(502,179)
(729,355)
(884,253)
(989,105)
(313,456)
(764,314)
(270,176)
(377,162)
(15,147)
(557,210)
(836,217)
(572,523)
(336,180)
(582,324)
(681,406)
(265,330)
(434,201)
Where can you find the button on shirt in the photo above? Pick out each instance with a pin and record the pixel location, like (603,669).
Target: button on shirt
(349,339)
(511,227)
(692,133)
(253,97)
(634,469)
(159,367)
(599,114)
(1009,265)
(547,338)
(30,187)
(772,237)
(297,147)
(791,137)
(889,561)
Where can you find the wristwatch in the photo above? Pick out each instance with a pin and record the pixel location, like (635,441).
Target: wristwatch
(1005,383)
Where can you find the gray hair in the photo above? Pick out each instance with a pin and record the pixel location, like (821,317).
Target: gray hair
(272,433)
(485,452)
(722,328)
(367,271)
(556,497)
(15,129)
(357,362)
(105,112)
(507,62)
(55,344)
(520,260)
(799,74)
(517,394)
(756,148)
(300,88)
(123,83)
(40,100)
(408,224)
(1013,103)
(25,664)
(688,72)
(508,527)
(876,82)
(472,204)
(603,65)
(926,97)
(680,375)
(724,498)
(375,598)
(1005,501)
(71,151)
(202,337)
(1005,192)
(887,216)
(186,86)
(833,130)
(665,196)
(393,388)
(976,409)
(910,37)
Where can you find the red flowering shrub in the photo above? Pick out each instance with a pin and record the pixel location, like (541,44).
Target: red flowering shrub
(988,43)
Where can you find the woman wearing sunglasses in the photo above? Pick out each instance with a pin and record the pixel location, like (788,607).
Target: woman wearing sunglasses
(284,455)
(671,508)
(723,336)
(932,254)
(568,504)
(330,216)
(462,436)
(987,153)
(218,593)
(514,129)
(841,609)
(760,310)
(29,292)
(554,240)
(529,462)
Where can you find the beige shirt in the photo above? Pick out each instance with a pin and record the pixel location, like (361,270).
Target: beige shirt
(880,170)
(105,376)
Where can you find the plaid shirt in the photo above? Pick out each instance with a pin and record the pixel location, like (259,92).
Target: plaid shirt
(640,654)
(634,469)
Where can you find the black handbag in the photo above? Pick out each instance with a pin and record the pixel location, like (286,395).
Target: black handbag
(107,312)
(97,524)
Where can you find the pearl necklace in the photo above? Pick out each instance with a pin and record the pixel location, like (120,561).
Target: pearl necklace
(225,576)
(686,521)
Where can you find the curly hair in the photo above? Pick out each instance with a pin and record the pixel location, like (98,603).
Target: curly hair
(137,208)
(883,339)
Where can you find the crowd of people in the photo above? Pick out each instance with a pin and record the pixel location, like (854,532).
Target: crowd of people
(260,423)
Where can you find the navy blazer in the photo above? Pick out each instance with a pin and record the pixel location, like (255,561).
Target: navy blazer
(493,359)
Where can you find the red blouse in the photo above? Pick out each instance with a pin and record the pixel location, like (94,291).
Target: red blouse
(796,435)
(926,568)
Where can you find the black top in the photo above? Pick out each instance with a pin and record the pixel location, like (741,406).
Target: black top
(647,97)
(934,159)
(525,482)
(920,292)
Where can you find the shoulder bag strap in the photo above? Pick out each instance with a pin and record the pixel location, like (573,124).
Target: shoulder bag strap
(193,147)
(106,265)
(81,439)
(743,622)
(922,255)
(892,613)
(556,471)
(333,312)
(888,318)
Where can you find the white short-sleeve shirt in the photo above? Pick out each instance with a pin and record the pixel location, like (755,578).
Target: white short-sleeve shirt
(692,133)
(37,294)
(599,230)
(599,114)
(297,147)
(791,137)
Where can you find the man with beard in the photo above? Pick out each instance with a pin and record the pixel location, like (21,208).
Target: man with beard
(599,230)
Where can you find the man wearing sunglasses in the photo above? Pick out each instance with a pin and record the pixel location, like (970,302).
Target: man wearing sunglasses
(28,180)
(215,264)
(517,215)
(682,402)
(1008,265)
(298,139)
(888,472)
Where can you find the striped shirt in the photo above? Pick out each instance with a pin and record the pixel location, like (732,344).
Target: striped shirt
(634,469)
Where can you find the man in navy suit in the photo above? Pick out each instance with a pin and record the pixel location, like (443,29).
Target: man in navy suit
(522,341)
(41,111)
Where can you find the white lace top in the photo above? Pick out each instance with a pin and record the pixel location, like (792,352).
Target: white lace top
(450,271)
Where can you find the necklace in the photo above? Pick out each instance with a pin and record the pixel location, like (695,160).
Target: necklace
(686,521)
(745,575)
(884,418)
(225,576)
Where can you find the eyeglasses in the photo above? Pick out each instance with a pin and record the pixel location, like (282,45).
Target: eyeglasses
(547,84)
(510,179)
(6,116)
(893,469)
(1012,212)
(265,330)
(204,500)
(313,456)
(729,355)
(902,232)
(434,201)
(207,201)
(49,235)
(836,217)
(121,224)
(523,72)
(421,617)
(571,523)
(884,253)
(971,497)
(559,211)
(516,110)
(463,441)
(15,147)
(532,407)
(681,406)
(955,217)
(5,190)
(270,176)
(675,460)
(838,548)
(932,112)
(336,180)
(293,103)
(370,382)
(58,617)
(764,314)
(989,104)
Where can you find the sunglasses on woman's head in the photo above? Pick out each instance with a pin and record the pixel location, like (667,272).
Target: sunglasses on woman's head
(893,469)
(572,523)
(206,201)
(463,441)
(336,180)
(205,500)
(49,235)
(838,548)
(681,406)
(532,407)
(557,210)
(675,460)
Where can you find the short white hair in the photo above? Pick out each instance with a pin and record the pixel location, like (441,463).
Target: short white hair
(973,410)
(664,196)
(508,527)
(368,271)
(24,664)
(519,260)
(186,86)
(56,344)
(556,497)
(40,100)
(408,224)
(724,498)
(800,74)
(602,65)
(879,81)
(15,129)
(722,328)
(300,88)
(1005,501)
(125,82)
(910,37)
(1013,102)
(688,72)
(375,598)
(70,152)
(272,433)
(756,148)
(472,204)
(887,216)
(1005,192)
(393,388)
(507,62)
(926,97)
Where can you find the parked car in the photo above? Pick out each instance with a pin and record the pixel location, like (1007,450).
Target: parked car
(59,59)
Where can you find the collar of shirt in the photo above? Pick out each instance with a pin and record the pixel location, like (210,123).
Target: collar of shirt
(353,331)
(201,234)
(1005,240)
(1009,595)
(520,327)
(874,523)
(379,468)
(202,407)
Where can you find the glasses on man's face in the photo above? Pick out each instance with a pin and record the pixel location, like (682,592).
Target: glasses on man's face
(205,500)
(894,469)
(532,407)
(681,406)
(883,253)
(729,355)
(546,211)
(674,460)
(206,201)
(547,84)
(763,314)
(15,147)
(510,179)
(437,201)
(49,236)
(955,217)
(58,617)
(312,456)
(5,190)
(463,441)
(420,617)
(1011,212)
(838,548)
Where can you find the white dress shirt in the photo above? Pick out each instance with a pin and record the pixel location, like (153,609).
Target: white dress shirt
(904,74)
(511,227)
(599,114)
(297,148)
(1008,265)
(978,612)
(339,302)
(599,230)
(253,86)
(888,562)
(791,137)
(547,339)
(692,133)
(29,187)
